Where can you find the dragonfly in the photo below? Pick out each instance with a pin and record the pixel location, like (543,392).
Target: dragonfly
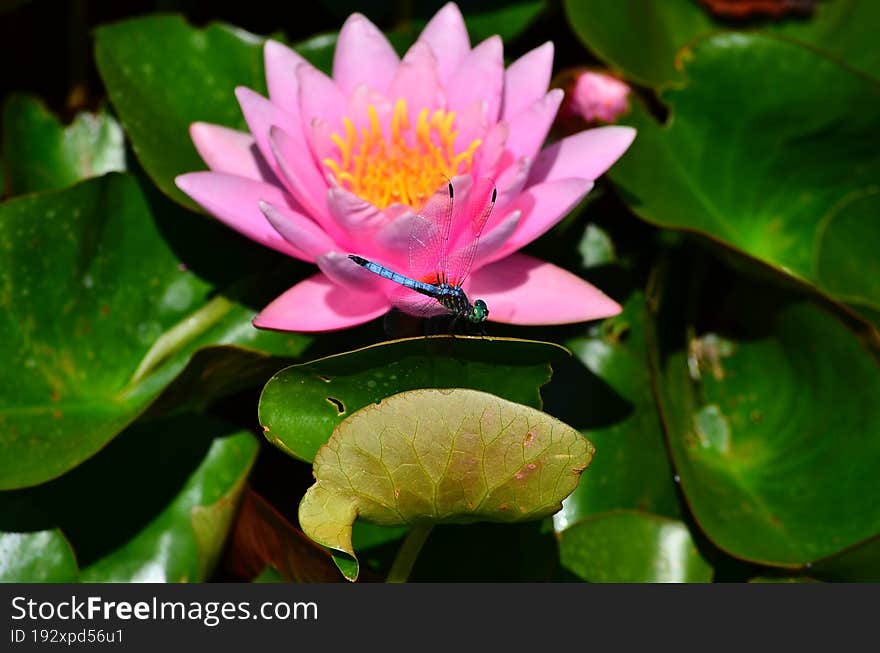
(443,243)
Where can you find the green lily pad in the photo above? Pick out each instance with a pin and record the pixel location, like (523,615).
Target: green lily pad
(319,50)
(302,404)
(100,314)
(632,547)
(44,155)
(162,75)
(772,413)
(596,247)
(36,557)
(366,536)
(184,541)
(641,39)
(483,18)
(633,470)
(504,18)
(860,564)
(845,29)
(437,456)
(782,579)
(269,575)
(194,468)
(638,38)
(847,264)
(760,176)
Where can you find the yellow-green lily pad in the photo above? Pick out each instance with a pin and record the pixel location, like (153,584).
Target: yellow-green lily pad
(440,456)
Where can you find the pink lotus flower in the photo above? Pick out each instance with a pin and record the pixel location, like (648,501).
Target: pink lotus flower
(338,166)
(597,96)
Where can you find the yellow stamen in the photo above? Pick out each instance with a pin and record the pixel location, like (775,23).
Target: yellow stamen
(406,167)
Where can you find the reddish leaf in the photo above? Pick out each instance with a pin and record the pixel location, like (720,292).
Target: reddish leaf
(261,536)
(741,9)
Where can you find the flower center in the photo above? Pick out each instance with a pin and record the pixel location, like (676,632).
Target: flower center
(407,167)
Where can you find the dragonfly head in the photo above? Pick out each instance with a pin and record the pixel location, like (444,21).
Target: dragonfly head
(479,312)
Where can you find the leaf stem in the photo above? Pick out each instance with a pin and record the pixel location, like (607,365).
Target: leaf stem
(182,333)
(408,552)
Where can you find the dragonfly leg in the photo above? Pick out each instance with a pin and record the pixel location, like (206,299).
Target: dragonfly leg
(398,324)
(452,325)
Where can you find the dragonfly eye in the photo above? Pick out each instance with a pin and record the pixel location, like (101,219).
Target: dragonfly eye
(479,312)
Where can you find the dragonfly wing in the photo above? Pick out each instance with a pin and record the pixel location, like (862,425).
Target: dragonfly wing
(471,218)
(425,244)
(429,236)
(414,303)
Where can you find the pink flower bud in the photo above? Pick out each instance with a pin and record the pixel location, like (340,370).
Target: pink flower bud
(596,96)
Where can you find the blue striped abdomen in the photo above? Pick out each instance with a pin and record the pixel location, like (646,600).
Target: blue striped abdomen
(419,286)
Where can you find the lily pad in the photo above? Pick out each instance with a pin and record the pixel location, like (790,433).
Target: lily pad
(772,413)
(860,564)
(100,313)
(483,18)
(441,457)
(637,38)
(184,541)
(633,470)
(36,557)
(365,535)
(504,18)
(269,575)
(319,50)
(44,155)
(847,263)
(845,29)
(162,75)
(302,404)
(641,39)
(596,247)
(632,547)
(195,468)
(760,176)
(782,579)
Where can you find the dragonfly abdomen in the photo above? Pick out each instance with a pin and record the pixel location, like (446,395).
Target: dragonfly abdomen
(396,277)
(450,296)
